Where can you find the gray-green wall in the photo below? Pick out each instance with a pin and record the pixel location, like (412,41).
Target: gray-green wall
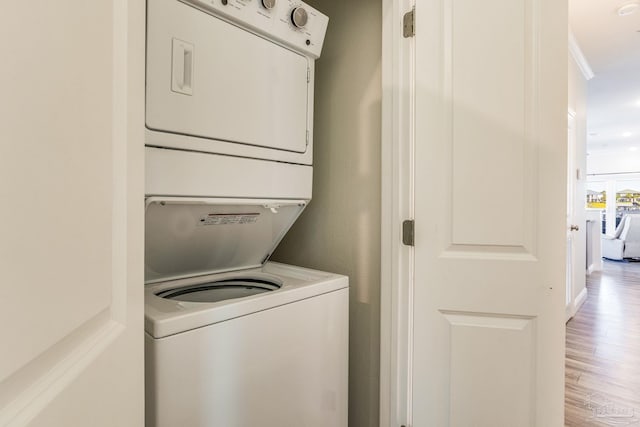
(340,230)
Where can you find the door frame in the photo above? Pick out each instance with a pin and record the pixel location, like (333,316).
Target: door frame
(571,196)
(396,275)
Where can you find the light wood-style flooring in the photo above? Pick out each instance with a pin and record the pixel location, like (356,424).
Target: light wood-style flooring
(603,351)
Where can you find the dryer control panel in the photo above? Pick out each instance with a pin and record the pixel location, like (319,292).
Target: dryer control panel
(290,22)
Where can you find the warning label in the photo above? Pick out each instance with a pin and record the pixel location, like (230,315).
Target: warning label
(228,219)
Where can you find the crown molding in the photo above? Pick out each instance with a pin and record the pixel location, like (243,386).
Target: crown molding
(578,56)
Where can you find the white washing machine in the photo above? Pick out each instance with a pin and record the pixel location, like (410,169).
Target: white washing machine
(260,344)
(233,340)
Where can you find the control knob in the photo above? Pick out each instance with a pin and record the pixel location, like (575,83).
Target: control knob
(299,17)
(269,4)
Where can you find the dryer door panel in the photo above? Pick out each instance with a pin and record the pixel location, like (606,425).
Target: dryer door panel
(207,78)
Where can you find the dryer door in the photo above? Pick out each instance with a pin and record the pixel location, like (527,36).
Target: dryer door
(215,87)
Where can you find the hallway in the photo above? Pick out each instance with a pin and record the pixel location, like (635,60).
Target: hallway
(603,351)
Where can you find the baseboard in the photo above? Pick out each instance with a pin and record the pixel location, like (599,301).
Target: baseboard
(568,312)
(573,307)
(580,299)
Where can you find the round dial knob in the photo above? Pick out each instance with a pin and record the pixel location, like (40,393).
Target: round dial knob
(268,4)
(299,17)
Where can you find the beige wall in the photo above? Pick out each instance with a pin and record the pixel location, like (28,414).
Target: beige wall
(340,230)
(578,103)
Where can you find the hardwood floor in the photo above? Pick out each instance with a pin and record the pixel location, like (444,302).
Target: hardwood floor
(602,361)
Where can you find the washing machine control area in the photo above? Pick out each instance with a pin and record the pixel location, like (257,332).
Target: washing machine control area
(290,22)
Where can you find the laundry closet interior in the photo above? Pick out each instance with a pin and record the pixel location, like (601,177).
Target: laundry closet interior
(340,229)
(219,209)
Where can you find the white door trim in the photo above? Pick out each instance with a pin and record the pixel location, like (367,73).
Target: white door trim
(397,205)
(571,190)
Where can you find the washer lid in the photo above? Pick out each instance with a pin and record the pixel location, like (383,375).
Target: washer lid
(187,237)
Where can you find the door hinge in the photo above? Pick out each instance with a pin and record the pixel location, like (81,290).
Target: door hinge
(408,232)
(409,23)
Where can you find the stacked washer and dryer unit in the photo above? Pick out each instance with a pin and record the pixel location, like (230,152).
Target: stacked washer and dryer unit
(233,340)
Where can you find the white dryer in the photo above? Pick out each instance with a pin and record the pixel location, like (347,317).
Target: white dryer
(233,340)
(229,97)
(233,77)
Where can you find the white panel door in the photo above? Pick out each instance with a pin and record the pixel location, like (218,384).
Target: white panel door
(490,201)
(71,182)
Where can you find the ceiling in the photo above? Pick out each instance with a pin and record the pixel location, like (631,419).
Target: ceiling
(611,46)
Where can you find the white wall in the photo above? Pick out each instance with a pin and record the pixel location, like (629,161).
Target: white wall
(578,103)
(340,230)
(613,162)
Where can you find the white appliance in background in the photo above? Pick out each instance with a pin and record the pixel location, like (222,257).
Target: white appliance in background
(233,77)
(232,339)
